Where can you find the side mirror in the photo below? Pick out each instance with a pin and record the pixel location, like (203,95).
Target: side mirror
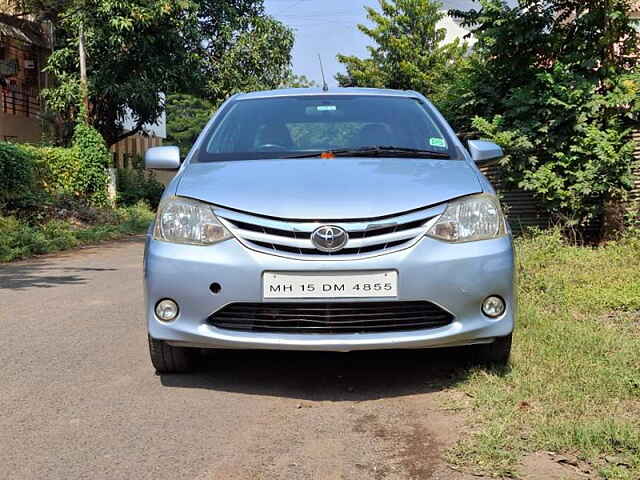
(162,158)
(483,152)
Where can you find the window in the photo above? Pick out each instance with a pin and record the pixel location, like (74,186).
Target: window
(279,126)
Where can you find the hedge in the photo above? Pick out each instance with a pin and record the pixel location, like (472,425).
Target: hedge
(16,172)
(79,171)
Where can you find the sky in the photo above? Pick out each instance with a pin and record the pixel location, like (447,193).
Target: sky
(328,27)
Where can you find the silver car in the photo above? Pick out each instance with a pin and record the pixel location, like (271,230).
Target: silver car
(338,220)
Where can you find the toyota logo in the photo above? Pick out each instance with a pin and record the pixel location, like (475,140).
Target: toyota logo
(329,238)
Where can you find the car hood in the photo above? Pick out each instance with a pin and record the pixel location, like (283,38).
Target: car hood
(325,189)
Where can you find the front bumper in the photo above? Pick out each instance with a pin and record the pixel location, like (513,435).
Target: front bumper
(456,277)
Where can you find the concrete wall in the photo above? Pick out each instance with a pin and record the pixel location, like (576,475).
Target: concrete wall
(19,129)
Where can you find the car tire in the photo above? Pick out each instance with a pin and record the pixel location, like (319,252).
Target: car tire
(496,353)
(168,359)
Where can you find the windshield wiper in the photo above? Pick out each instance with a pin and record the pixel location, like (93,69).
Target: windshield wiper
(376,151)
(421,152)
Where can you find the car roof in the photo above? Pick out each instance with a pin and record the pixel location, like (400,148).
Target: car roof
(296,92)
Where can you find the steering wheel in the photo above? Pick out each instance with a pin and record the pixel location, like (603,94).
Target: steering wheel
(272,146)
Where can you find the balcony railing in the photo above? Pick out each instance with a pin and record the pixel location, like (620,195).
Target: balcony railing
(19,102)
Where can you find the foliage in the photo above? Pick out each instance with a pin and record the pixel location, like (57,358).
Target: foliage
(186,117)
(79,171)
(136,185)
(16,173)
(560,80)
(258,59)
(409,52)
(94,160)
(58,169)
(298,81)
(241,49)
(572,182)
(19,239)
(574,383)
(135,50)
(54,198)
(139,48)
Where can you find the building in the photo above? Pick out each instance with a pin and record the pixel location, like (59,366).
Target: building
(24,49)
(455,30)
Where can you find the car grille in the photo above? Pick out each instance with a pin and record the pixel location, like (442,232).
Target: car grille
(292,238)
(335,317)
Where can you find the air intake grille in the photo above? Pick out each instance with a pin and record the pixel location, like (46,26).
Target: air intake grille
(330,317)
(292,238)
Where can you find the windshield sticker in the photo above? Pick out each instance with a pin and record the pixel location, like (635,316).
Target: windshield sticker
(326,108)
(437,142)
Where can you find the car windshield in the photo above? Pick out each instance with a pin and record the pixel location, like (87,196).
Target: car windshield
(285,127)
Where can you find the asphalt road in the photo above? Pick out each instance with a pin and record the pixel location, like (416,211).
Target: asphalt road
(79,398)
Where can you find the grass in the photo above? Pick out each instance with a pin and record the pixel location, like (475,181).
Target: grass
(574,381)
(19,239)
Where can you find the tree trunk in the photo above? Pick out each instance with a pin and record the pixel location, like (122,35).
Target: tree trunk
(84,86)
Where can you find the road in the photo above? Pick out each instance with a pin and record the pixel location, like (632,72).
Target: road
(79,398)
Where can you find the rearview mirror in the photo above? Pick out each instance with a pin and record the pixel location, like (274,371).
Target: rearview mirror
(483,152)
(162,158)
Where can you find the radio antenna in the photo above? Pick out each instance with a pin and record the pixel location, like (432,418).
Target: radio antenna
(325,87)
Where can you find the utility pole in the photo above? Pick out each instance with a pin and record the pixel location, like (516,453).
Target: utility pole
(84,89)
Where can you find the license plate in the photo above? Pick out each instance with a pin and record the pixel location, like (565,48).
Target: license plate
(330,285)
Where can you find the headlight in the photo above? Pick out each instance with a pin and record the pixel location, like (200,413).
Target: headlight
(182,220)
(477,217)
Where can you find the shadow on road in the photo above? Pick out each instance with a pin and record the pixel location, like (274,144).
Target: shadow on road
(319,376)
(43,275)
(53,270)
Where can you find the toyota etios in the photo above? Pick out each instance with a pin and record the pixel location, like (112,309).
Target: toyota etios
(337,220)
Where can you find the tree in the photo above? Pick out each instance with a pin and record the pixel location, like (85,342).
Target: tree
(186,117)
(559,80)
(137,49)
(298,81)
(243,49)
(408,51)
(258,58)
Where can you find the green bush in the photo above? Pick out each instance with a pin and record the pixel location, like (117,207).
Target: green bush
(19,239)
(79,171)
(135,185)
(16,173)
(94,158)
(563,111)
(54,198)
(58,170)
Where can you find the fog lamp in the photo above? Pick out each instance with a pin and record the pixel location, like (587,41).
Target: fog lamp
(167,310)
(493,306)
